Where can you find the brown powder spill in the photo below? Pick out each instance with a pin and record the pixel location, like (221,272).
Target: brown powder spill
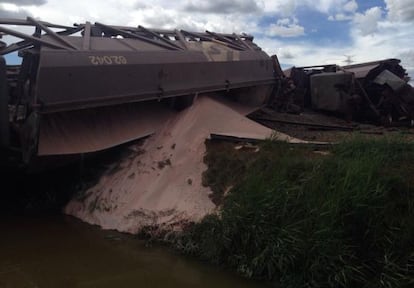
(162,187)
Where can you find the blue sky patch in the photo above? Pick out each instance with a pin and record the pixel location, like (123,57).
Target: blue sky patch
(13,59)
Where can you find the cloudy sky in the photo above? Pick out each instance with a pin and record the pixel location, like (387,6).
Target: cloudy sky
(300,32)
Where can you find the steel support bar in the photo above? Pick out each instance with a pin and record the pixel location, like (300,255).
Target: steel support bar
(28,43)
(34,39)
(276,67)
(22,22)
(242,42)
(173,45)
(181,38)
(16,47)
(171,32)
(366,97)
(314,125)
(132,35)
(4,110)
(201,36)
(86,45)
(225,40)
(51,33)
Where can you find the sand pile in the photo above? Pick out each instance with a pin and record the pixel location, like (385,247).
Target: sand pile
(160,184)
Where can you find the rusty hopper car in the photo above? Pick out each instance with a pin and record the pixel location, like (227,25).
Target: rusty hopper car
(79,89)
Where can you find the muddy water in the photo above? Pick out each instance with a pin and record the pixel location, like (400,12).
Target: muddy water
(60,251)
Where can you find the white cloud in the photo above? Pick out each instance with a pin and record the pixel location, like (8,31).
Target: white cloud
(340,17)
(223,6)
(333,6)
(287,8)
(392,40)
(24,2)
(13,11)
(302,54)
(351,6)
(400,10)
(284,21)
(160,14)
(344,11)
(222,15)
(9,7)
(286,54)
(408,56)
(367,23)
(285,28)
(408,59)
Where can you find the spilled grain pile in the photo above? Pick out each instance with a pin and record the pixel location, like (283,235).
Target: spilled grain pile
(159,185)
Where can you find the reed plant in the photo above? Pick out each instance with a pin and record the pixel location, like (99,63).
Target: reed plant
(299,219)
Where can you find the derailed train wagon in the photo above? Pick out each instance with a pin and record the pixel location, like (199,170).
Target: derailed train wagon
(376,92)
(93,86)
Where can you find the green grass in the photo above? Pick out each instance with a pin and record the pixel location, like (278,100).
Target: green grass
(297,219)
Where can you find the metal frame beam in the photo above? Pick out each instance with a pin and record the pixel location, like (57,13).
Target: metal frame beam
(158,37)
(169,42)
(225,40)
(31,38)
(17,46)
(209,38)
(133,35)
(51,33)
(86,45)
(23,22)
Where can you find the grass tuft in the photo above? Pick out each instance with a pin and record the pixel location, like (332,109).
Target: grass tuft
(300,220)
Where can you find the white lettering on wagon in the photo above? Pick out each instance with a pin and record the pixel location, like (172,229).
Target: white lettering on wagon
(108,60)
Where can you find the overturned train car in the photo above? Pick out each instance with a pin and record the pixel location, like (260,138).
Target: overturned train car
(376,92)
(93,86)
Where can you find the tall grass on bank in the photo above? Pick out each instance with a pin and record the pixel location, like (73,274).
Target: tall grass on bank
(300,220)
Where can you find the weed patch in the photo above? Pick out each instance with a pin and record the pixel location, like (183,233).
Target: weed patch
(342,220)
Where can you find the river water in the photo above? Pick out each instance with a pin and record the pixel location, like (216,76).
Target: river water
(60,251)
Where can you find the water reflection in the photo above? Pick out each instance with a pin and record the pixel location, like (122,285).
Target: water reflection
(63,252)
